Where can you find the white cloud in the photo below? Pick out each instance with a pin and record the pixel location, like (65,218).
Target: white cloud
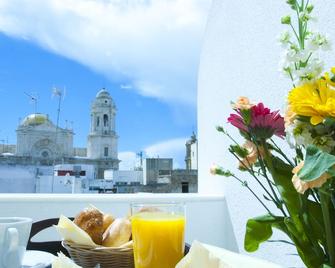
(174,148)
(128,160)
(155,44)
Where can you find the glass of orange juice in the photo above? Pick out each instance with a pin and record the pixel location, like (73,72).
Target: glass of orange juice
(158,234)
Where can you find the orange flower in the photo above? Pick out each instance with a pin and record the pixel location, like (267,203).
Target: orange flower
(301,186)
(252,156)
(242,103)
(289,117)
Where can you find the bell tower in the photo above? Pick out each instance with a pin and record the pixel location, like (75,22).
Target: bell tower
(102,140)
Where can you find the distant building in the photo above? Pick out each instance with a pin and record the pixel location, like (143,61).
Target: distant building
(131,177)
(191,158)
(157,170)
(39,138)
(40,143)
(102,140)
(45,161)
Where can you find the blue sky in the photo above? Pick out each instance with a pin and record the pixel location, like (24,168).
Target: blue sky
(147,62)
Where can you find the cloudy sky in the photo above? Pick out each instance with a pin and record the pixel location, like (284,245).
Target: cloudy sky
(144,52)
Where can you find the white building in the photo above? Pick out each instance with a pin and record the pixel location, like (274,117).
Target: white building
(42,145)
(124,176)
(191,158)
(102,140)
(38,137)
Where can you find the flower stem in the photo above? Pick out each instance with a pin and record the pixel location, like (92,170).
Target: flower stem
(245,184)
(278,150)
(255,177)
(269,163)
(329,221)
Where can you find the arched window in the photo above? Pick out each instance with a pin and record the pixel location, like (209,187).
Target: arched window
(105,120)
(98,121)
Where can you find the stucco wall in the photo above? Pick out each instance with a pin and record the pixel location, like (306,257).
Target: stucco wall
(240,58)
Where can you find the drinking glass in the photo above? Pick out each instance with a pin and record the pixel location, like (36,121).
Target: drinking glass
(158,233)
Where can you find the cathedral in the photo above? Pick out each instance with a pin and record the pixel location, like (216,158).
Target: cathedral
(40,142)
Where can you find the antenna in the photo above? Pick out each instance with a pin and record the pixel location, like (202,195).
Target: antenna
(61,95)
(33,99)
(140,155)
(56,93)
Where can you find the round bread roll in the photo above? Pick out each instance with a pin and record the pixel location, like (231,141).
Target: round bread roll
(91,221)
(117,234)
(107,220)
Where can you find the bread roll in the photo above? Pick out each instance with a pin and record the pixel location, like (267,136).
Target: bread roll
(91,221)
(129,244)
(118,233)
(107,220)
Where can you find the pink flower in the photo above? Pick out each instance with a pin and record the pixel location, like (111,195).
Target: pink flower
(259,122)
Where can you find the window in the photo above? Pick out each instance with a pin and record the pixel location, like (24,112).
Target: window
(98,121)
(106,151)
(184,187)
(105,120)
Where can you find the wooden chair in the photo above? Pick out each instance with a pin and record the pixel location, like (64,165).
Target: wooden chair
(49,246)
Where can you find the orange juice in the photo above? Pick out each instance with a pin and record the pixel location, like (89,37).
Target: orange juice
(158,239)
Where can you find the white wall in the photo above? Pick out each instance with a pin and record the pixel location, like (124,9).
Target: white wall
(24,179)
(240,58)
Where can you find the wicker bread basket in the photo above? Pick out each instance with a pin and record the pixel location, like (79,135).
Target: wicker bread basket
(88,257)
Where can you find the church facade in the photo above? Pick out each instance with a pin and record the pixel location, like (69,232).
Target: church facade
(42,143)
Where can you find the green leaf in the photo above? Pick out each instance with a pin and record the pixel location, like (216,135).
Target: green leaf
(316,164)
(282,174)
(259,230)
(316,221)
(239,150)
(246,114)
(295,226)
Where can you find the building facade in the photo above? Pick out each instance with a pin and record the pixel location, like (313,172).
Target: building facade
(39,138)
(42,143)
(191,158)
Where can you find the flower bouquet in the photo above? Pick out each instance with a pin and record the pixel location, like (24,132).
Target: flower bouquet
(301,187)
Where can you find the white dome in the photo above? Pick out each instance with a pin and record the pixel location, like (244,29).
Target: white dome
(103,93)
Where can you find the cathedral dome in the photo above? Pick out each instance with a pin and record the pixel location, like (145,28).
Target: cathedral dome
(35,119)
(102,94)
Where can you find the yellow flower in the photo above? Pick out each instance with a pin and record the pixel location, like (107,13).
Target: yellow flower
(315,100)
(301,186)
(328,77)
(243,103)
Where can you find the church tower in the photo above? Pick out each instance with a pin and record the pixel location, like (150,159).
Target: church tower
(102,140)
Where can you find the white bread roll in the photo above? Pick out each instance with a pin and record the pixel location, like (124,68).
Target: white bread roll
(118,233)
(107,221)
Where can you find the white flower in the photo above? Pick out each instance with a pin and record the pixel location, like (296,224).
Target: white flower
(285,38)
(290,138)
(305,15)
(311,72)
(317,41)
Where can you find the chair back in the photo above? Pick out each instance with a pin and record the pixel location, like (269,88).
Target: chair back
(52,247)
